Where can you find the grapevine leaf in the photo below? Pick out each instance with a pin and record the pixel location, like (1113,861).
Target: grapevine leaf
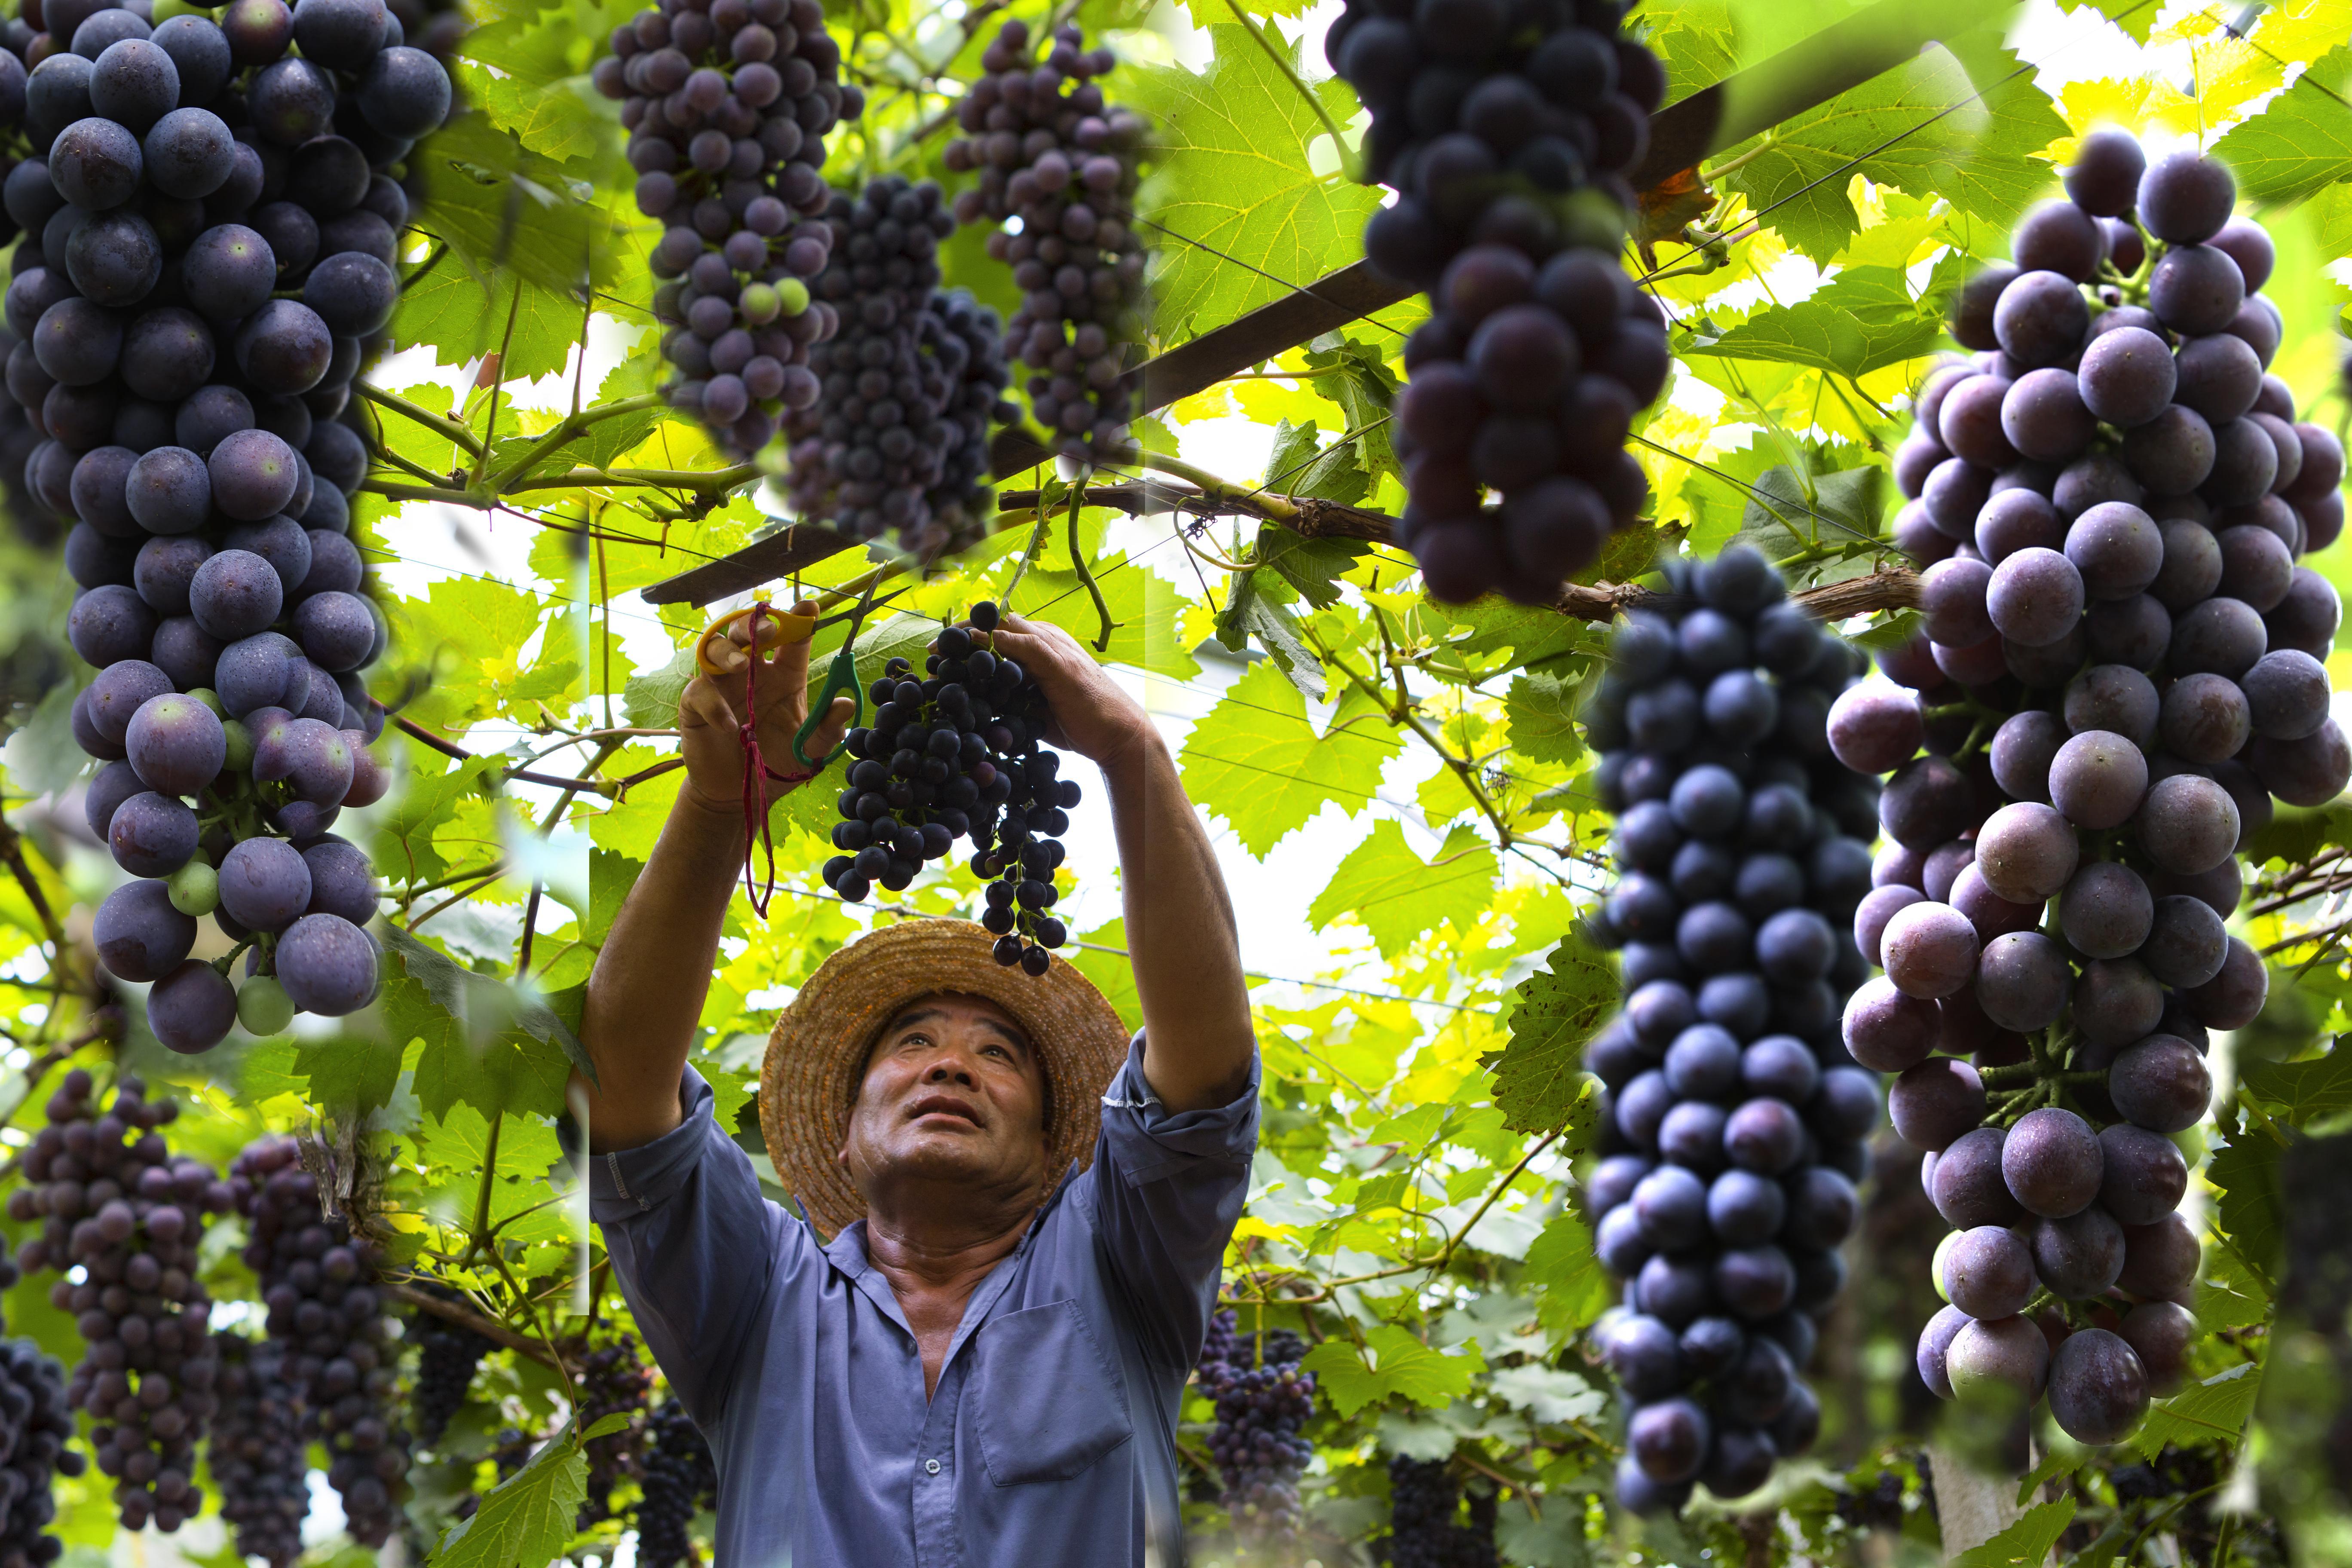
(1537,1077)
(1571,1286)
(650,698)
(1234,178)
(403,845)
(525,1522)
(43,757)
(1863,320)
(1143,614)
(1258,762)
(1925,129)
(502,207)
(2214,1410)
(2025,1544)
(461,317)
(1388,890)
(1252,614)
(2303,143)
(488,1044)
(1355,376)
(1549,1393)
(1113,975)
(1542,711)
(2295,835)
(1392,1362)
(2136,17)
(1299,466)
(610,878)
(1313,566)
(605,1426)
(2299,1093)
(2246,1174)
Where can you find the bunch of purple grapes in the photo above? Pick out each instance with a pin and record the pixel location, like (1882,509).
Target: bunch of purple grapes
(678,1478)
(37,1424)
(118,1209)
(2120,667)
(613,1380)
(318,1282)
(448,1356)
(912,379)
(1425,1525)
(215,227)
(1733,1118)
(255,1450)
(1264,1402)
(728,104)
(1055,154)
(961,754)
(1506,130)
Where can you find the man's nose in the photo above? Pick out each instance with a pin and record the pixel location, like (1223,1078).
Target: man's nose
(952,1065)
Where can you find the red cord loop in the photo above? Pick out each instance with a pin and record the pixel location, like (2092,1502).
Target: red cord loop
(756,772)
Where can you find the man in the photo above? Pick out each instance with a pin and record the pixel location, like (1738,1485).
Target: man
(983,1366)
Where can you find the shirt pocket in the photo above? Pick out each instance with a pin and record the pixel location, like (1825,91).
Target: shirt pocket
(1048,1401)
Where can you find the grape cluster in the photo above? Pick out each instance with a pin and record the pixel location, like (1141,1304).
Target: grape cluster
(1425,1526)
(37,1424)
(2121,667)
(448,1354)
(728,104)
(960,752)
(911,380)
(1262,1401)
(679,1478)
(216,240)
(115,1204)
(1734,1119)
(1505,130)
(1051,152)
(256,1451)
(613,1380)
(318,1282)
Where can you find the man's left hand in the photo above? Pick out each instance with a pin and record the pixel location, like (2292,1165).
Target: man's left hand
(1092,715)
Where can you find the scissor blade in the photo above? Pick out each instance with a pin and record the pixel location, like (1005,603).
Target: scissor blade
(861,609)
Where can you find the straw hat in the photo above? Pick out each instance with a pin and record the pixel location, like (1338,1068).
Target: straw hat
(817,1052)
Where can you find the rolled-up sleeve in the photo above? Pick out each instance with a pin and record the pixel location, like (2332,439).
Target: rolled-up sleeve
(1169,1188)
(693,1244)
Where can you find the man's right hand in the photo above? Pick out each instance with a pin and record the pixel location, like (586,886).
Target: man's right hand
(710,721)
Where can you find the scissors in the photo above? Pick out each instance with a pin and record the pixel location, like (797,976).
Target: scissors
(717,653)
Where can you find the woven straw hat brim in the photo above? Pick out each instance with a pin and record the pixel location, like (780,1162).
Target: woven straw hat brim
(817,1051)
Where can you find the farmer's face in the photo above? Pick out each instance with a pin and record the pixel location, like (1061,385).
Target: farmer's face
(953,1093)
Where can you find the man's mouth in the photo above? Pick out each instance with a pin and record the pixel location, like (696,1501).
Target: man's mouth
(943,1105)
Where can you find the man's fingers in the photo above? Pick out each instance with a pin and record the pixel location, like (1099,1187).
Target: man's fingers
(703,703)
(832,727)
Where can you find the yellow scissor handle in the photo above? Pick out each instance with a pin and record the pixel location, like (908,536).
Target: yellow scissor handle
(722,649)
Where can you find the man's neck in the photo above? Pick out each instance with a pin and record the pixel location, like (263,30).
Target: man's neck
(935,1256)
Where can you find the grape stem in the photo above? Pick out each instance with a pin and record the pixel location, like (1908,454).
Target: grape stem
(457,1313)
(227,960)
(1086,574)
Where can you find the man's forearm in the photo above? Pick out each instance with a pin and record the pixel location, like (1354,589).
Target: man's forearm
(646,992)
(1180,938)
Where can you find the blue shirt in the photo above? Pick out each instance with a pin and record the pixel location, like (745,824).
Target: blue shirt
(1051,1441)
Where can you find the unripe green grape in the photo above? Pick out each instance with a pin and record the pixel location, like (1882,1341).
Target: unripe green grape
(210,699)
(793,296)
(240,747)
(760,304)
(263,1007)
(193,888)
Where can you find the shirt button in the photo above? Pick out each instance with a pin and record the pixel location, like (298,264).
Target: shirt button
(930,1467)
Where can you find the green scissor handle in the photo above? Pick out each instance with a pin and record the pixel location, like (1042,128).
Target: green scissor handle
(840,675)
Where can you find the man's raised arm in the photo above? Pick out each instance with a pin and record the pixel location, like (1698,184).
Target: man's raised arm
(1181,939)
(647,988)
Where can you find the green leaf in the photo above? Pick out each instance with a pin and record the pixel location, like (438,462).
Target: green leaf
(2136,17)
(1299,465)
(43,757)
(404,848)
(502,207)
(1392,1362)
(2214,1410)
(1385,887)
(526,1521)
(1571,1286)
(650,698)
(1251,614)
(1143,614)
(1233,178)
(1354,376)
(2295,834)
(1863,320)
(1258,762)
(1780,521)
(2299,1093)
(1542,711)
(2249,1207)
(1538,1077)
(1549,1393)
(1113,975)
(2025,1544)
(1312,566)
(1920,128)
(490,1044)
(2301,143)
